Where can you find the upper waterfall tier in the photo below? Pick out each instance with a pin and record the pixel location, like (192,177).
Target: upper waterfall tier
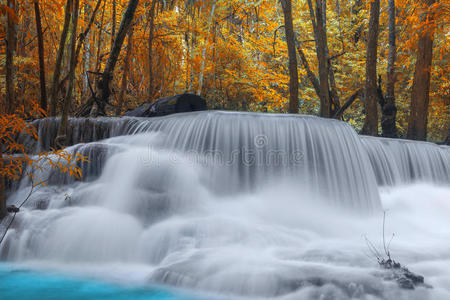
(244,151)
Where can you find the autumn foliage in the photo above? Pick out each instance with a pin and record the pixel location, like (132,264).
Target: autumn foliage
(233,53)
(16,160)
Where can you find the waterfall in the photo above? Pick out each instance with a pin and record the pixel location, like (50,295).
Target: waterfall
(398,162)
(242,151)
(243,204)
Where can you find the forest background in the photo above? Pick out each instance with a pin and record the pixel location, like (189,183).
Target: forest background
(379,65)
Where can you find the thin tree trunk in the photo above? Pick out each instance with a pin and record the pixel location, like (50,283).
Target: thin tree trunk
(113,25)
(126,67)
(325,107)
(338,114)
(59,57)
(87,55)
(3,211)
(10,49)
(41,56)
(313,21)
(103,85)
(311,76)
(99,40)
(447,139)
(420,96)
(8,108)
(191,68)
(150,49)
(371,107)
(202,67)
(318,21)
(334,98)
(60,139)
(188,54)
(86,58)
(293,67)
(389,109)
(85,33)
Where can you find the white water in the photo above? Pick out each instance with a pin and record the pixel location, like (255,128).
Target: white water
(163,213)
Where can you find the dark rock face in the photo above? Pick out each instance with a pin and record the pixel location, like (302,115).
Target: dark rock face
(170,105)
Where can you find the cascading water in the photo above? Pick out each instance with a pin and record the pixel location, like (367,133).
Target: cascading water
(399,162)
(239,205)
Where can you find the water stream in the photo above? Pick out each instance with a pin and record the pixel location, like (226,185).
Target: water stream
(239,205)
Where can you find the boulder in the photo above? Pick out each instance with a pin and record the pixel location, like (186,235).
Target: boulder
(12,209)
(170,105)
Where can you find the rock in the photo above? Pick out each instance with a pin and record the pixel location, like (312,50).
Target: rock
(12,209)
(42,204)
(170,105)
(404,277)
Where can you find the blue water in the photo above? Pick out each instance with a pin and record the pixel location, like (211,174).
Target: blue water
(23,284)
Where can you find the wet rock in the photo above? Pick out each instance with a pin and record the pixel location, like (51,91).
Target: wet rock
(404,277)
(12,209)
(42,204)
(170,105)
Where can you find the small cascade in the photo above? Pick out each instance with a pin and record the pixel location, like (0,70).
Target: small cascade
(398,162)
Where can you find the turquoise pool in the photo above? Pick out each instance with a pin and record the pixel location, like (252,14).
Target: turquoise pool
(23,284)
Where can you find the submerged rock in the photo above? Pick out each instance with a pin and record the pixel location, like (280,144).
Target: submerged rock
(404,277)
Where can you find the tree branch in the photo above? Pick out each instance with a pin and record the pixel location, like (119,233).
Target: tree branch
(311,76)
(275,37)
(347,103)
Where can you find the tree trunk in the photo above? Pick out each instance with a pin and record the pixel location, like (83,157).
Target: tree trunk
(293,68)
(86,58)
(99,39)
(371,107)
(3,211)
(126,67)
(202,67)
(447,139)
(420,96)
(191,65)
(388,108)
(338,114)
(311,76)
(60,139)
(318,20)
(84,39)
(334,98)
(103,85)
(113,23)
(325,107)
(150,49)
(37,15)
(59,57)
(81,41)
(10,49)
(10,94)
(85,33)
